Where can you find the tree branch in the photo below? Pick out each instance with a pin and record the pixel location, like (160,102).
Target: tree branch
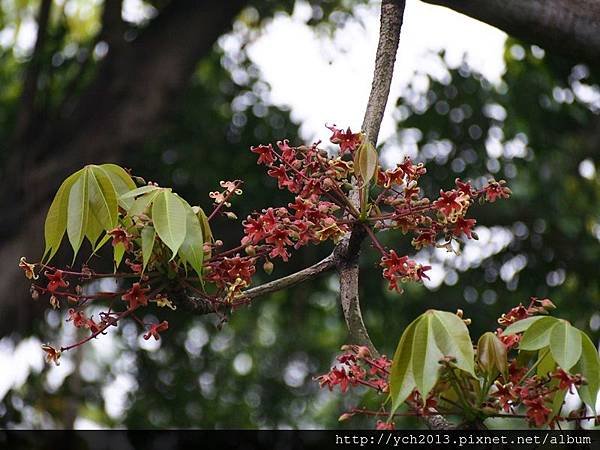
(570,27)
(392,12)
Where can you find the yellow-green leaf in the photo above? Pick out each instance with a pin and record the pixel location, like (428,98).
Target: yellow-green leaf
(141,204)
(56,219)
(537,335)
(565,344)
(207,235)
(121,181)
(453,339)
(491,354)
(402,382)
(169,217)
(102,198)
(192,249)
(148,234)
(425,356)
(522,325)
(588,366)
(138,191)
(78,210)
(118,252)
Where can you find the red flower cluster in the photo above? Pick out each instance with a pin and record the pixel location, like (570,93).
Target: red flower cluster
(400,268)
(233,273)
(356,367)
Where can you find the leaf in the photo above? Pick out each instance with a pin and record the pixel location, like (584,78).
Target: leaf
(206,231)
(138,191)
(169,217)
(565,344)
(103,198)
(103,241)
(546,364)
(118,252)
(588,366)
(148,234)
(78,210)
(522,325)
(56,219)
(402,382)
(425,356)
(121,181)
(453,339)
(141,204)
(491,354)
(93,230)
(538,334)
(192,249)
(365,161)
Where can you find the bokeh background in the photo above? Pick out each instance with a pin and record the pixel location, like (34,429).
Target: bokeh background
(179,92)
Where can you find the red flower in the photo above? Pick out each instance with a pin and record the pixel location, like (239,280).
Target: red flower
(55,281)
(451,203)
(465,226)
(156,329)
(265,154)
(464,187)
(347,140)
(515,314)
(537,412)
(121,236)
(510,340)
(566,381)
(288,154)
(505,395)
(495,190)
(52,354)
(136,296)
(78,318)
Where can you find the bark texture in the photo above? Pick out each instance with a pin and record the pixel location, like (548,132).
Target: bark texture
(570,27)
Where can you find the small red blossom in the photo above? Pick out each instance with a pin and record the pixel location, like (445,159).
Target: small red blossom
(465,226)
(567,381)
(121,236)
(347,140)
(78,318)
(28,269)
(451,204)
(381,425)
(495,190)
(55,281)
(537,412)
(265,154)
(136,296)
(155,329)
(52,354)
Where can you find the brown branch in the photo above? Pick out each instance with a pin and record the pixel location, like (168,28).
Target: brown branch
(392,12)
(569,27)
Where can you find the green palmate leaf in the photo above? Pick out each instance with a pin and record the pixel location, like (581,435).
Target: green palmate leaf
(103,198)
(169,217)
(121,181)
(93,230)
(402,381)
(192,249)
(141,204)
(588,366)
(365,161)
(148,234)
(56,219)
(425,355)
(546,363)
(522,325)
(118,252)
(78,211)
(102,241)
(537,335)
(453,339)
(565,344)
(139,191)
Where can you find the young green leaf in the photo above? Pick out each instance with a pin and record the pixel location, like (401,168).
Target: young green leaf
(453,339)
(546,365)
(78,211)
(205,225)
(538,334)
(425,356)
(121,181)
(93,230)
(192,249)
(138,191)
(118,252)
(402,381)
(491,354)
(169,217)
(141,204)
(103,198)
(56,219)
(148,234)
(565,344)
(588,366)
(521,325)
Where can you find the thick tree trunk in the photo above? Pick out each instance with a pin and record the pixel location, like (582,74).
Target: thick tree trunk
(569,27)
(136,86)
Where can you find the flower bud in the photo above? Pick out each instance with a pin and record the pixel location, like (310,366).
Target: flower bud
(268,267)
(491,353)
(547,304)
(345,417)
(230,215)
(250,250)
